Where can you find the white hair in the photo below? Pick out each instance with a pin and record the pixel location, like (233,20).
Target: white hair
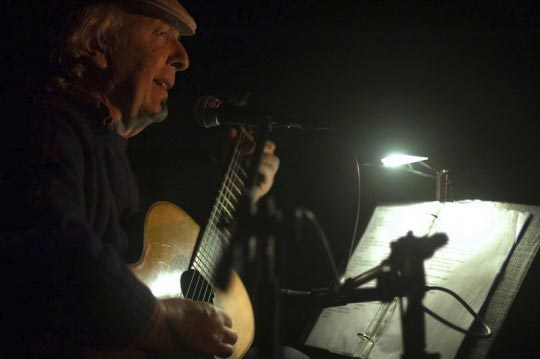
(98,26)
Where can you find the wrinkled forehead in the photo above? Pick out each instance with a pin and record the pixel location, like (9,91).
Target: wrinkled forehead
(170,11)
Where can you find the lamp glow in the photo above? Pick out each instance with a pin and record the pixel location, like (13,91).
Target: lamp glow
(398,159)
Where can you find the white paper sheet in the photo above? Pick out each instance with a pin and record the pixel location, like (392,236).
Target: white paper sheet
(481,237)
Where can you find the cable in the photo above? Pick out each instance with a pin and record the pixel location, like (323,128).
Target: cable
(357,220)
(487,332)
(322,237)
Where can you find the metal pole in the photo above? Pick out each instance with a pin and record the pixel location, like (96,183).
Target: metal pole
(441,190)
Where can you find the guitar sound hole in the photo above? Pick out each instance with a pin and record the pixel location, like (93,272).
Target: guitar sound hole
(195,287)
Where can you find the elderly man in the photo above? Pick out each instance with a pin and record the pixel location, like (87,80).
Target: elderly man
(68,181)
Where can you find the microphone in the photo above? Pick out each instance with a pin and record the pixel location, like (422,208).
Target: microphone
(210,111)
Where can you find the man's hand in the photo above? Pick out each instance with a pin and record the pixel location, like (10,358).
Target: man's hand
(190,329)
(268,168)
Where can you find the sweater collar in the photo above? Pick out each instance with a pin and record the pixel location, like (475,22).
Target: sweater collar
(87,100)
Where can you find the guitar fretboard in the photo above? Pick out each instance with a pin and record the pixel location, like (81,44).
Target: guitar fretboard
(215,237)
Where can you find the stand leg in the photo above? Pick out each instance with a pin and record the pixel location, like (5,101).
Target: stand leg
(267,306)
(414,329)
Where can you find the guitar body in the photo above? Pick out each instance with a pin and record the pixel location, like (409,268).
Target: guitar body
(170,239)
(179,260)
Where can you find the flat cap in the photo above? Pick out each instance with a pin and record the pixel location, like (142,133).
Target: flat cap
(170,10)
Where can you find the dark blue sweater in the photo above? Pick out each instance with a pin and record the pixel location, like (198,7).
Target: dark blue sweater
(67,184)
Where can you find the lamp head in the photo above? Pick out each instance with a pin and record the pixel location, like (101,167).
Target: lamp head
(398,159)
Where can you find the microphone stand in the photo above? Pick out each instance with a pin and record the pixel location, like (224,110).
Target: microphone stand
(263,284)
(400,275)
(251,253)
(407,258)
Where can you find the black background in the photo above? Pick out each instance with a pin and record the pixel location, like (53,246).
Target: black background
(456,81)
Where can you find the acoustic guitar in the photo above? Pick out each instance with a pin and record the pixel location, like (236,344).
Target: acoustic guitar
(179,260)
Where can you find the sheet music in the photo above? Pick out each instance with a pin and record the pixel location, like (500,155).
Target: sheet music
(481,237)
(336,329)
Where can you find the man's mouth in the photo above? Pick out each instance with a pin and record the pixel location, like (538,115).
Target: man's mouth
(163,84)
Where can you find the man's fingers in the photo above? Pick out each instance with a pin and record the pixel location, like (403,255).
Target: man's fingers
(224,350)
(269,165)
(248,148)
(267,172)
(227,321)
(223,342)
(229,336)
(269,147)
(233,132)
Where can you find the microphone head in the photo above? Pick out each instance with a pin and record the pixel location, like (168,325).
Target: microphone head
(205,111)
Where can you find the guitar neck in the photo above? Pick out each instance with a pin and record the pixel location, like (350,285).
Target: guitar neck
(215,235)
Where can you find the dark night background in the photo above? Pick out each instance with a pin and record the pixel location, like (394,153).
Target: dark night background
(456,81)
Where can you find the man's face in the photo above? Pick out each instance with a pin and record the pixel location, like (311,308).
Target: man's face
(142,71)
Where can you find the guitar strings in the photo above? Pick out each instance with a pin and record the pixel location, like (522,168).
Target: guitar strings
(214,231)
(207,254)
(218,248)
(204,259)
(221,237)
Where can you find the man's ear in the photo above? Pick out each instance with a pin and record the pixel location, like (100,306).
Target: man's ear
(98,58)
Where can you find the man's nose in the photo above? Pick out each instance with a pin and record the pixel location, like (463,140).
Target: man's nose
(179,58)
